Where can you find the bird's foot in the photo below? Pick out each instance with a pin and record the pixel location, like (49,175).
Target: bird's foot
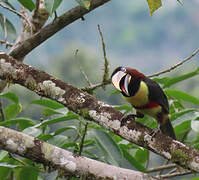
(126,118)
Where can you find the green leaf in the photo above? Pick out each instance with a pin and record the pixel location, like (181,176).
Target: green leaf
(58,140)
(11,96)
(175,80)
(48,103)
(23,122)
(32,131)
(182,128)
(61,130)
(154,5)
(84,3)
(195,126)
(11,31)
(131,159)
(124,107)
(57,120)
(142,155)
(52,5)
(12,110)
(3,154)
(180,95)
(49,112)
(29,173)
(108,146)
(9,165)
(181,113)
(29,4)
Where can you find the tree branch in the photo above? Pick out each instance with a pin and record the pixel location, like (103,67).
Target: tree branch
(57,158)
(59,23)
(177,65)
(90,108)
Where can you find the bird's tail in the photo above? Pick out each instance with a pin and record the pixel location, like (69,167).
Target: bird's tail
(167,128)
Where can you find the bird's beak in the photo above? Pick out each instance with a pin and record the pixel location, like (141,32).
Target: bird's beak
(116,78)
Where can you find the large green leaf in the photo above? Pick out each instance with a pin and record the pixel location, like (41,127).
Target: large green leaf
(58,140)
(29,173)
(167,82)
(109,148)
(22,122)
(32,131)
(29,4)
(142,155)
(52,5)
(9,165)
(57,120)
(131,159)
(182,113)
(154,5)
(11,96)
(12,110)
(48,103)
(180,95)
(11,31)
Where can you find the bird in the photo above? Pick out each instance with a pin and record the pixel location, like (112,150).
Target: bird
(146,97)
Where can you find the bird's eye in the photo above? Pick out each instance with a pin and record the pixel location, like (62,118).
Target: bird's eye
(123,69)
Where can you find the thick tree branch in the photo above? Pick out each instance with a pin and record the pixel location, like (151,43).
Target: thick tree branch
(59,23)
(89,107)
(57,158)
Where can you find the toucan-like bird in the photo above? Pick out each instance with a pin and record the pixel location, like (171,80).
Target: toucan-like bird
(145,95)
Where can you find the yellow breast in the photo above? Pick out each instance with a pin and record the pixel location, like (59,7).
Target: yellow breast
(141,97)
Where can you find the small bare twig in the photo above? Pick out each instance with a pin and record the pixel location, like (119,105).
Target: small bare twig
(8,44)
(106,63)
(161,171)
(175,174)
(177,65)
(5,29)
(81,70)
(1,111)
(15,12)
(106,80)
(161,168)
(36,6)
(82,139)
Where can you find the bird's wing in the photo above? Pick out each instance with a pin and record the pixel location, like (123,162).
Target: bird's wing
(156,94)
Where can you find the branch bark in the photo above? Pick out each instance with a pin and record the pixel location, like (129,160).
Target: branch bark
(89,107)
(57,158)
(59,23)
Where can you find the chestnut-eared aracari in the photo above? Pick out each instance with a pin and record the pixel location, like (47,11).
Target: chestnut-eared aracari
(145,95)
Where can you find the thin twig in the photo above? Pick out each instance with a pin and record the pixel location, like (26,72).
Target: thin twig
(175,174)
(106,63)
(161,168)
(161,171)
(81,70)
(82,139)
(5,29)
(36,7)
(177,65)
(105,80)
(1,112)
(95,86)
(8,44)
(16,12)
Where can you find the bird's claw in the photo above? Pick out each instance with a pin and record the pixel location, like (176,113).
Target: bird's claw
(127,117)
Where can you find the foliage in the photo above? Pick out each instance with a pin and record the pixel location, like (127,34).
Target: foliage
(63,128)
